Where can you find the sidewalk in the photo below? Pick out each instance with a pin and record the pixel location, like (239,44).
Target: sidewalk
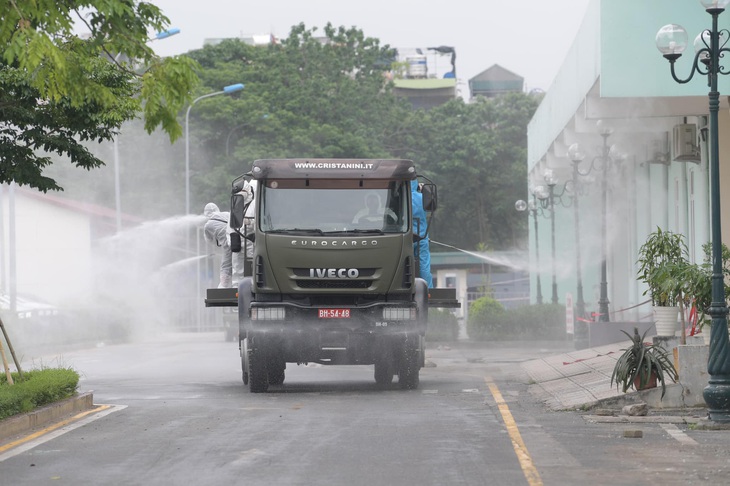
(576,379)
(582,380)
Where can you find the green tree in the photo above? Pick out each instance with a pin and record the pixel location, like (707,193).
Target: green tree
(59,91)
(309,96)
(476,152)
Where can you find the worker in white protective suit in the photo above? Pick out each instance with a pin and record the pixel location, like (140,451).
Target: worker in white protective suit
(247,190)
(216,231)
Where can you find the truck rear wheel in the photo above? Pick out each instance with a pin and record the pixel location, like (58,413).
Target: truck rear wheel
(410,363)
(258,380)
(384,370)
(276,371)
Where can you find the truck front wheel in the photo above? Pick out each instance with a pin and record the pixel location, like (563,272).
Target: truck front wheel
(410,363)
(258,379)
(244,360)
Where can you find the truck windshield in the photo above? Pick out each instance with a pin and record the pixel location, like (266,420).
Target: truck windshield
(321,208)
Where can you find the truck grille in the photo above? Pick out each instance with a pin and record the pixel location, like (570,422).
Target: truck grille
(334,284)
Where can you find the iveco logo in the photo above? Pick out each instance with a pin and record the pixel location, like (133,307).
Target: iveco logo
(334,272)
(343,243)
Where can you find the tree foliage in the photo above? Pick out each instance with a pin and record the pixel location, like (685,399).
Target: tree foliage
(309,96)
(477,154)
(60,90)
(327,94)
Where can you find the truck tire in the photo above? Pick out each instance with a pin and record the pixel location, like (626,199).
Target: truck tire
(258,379)
(245,297)
(384,371)
(277,371)
(410,363)
(384,364)
(244,360)
(421,299)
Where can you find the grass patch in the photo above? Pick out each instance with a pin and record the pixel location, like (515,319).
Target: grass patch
(37,388)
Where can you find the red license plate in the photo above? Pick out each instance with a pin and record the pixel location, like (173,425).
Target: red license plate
(334,313)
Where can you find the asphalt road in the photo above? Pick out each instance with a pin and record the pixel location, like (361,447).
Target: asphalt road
(181,415)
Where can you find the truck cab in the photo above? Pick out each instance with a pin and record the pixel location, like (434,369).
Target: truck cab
(332,278)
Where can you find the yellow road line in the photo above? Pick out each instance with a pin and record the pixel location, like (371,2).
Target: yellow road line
(528,468)
(51,428)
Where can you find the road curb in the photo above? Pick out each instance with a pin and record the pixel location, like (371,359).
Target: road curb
(19,424)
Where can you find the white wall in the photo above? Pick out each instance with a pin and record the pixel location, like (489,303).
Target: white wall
(53,248)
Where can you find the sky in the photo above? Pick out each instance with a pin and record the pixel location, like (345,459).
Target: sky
(530,38)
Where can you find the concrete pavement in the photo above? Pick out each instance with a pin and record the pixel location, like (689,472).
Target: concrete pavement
(582,379)
(566,379)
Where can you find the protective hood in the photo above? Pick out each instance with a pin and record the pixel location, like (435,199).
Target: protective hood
(210,209)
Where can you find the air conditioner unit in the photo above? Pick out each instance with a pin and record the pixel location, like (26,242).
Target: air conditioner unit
(685,143)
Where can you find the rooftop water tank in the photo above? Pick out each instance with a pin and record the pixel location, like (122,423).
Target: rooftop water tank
(417,67)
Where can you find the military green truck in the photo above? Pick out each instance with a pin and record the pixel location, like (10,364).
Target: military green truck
(333,276)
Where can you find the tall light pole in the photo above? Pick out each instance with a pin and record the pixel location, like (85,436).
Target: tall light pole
(603,315)
(227,90)
(521,205)
(551,181)
(671,40)
(603,162)
(117,191)
(580,327)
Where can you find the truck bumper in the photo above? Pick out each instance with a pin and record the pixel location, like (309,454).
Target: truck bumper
(303,336)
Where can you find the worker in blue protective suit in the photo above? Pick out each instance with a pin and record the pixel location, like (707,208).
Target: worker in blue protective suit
(420,226)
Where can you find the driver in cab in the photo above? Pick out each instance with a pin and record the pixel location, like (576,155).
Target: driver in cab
(373,212)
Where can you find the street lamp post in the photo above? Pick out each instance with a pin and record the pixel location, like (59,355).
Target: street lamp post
(609,155)
(117,191)
(227,90)
(603,302)
(521,205)
(580,327)
(671,40)
(551,181)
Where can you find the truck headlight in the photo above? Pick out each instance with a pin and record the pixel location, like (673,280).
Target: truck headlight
(399,313)
(268,313)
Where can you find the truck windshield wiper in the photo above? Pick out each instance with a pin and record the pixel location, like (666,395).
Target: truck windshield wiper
(362,231)
(298,230)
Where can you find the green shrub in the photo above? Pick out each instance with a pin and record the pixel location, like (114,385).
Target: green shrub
(488,320)
(37,388)
(538,322)
(442,326)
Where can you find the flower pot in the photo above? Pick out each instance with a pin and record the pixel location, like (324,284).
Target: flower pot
(665,320)
(651,384)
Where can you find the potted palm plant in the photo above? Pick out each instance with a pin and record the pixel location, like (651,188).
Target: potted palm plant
(662,263)
(642,365)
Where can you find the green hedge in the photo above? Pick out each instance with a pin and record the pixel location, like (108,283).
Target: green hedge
(442,326)
(37,388)
(489,320)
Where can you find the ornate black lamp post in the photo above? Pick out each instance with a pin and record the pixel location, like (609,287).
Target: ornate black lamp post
(580,332)
(671,40)
(521,205)
(603,302)
(604,162)
(551,181)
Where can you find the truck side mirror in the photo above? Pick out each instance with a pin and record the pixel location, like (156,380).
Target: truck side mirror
(238,210)
(235,242)
(430,197)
